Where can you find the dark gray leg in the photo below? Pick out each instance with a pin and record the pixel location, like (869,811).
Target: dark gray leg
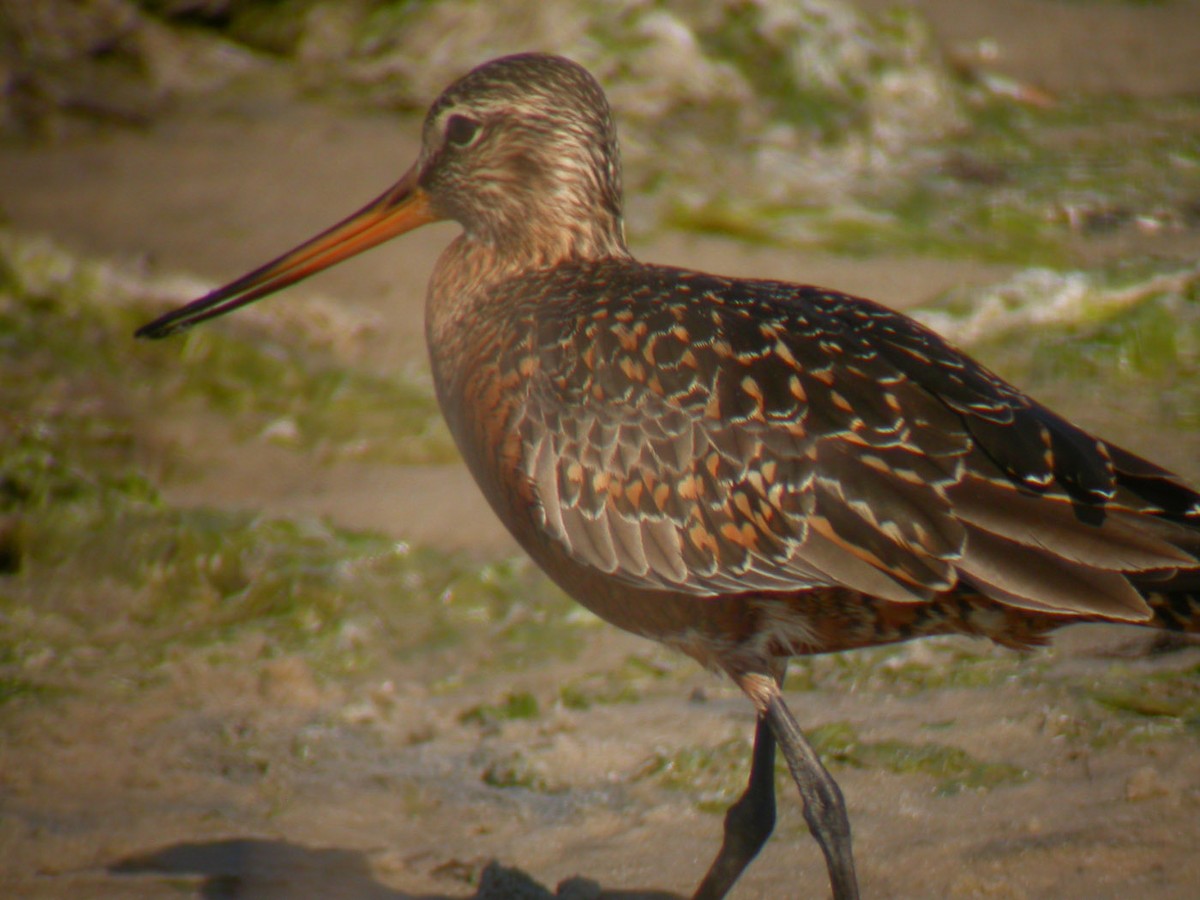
(748,823)
(824,808)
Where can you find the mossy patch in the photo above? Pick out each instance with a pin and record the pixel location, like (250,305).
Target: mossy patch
(624,684)
(516,770)
(1018,184)
(517,705)
(66,332)
(907,669)
(1173,697)
(713,775)
(716,775)
(954,769)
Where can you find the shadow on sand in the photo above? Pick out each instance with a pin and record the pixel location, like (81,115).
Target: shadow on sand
(245,868)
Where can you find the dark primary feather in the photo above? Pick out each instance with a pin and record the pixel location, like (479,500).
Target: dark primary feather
(694,433)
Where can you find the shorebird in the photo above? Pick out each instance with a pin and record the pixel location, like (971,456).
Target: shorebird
(744,470)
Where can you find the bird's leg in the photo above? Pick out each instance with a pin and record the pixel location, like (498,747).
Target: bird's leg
(749,822)
(824,808)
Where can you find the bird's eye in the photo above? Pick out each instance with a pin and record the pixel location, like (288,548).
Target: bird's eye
(461,131)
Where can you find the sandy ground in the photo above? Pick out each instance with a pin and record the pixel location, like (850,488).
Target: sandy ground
(194,786)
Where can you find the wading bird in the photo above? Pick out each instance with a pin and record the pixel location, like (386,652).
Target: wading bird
(743,470)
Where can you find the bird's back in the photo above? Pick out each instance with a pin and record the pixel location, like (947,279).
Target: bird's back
(649,432)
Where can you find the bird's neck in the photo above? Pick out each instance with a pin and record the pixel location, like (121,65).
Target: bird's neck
(475,264)
(514,237)
(458,305)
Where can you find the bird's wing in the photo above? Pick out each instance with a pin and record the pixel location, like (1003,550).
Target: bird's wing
(751,436)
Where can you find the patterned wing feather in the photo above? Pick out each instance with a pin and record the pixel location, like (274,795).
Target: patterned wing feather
(711,436)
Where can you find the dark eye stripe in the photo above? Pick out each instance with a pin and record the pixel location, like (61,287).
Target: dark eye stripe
(461,130)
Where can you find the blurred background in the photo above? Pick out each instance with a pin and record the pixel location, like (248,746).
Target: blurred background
(259,636)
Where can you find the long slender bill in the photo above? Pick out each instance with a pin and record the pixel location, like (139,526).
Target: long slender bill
(402,208)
